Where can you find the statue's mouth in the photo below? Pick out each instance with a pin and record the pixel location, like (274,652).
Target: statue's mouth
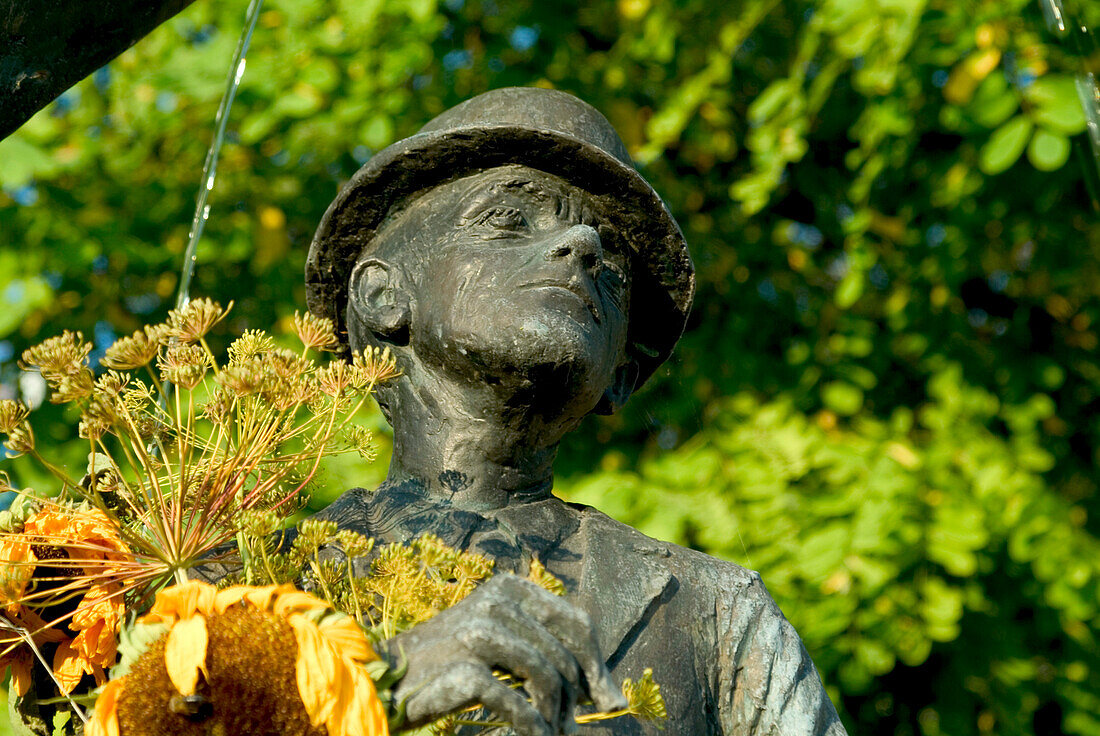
(573,288)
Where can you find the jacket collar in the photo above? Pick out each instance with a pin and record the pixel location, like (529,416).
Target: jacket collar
(624,575)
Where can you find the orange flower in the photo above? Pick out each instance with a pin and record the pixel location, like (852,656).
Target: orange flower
(61,583)
(241,659)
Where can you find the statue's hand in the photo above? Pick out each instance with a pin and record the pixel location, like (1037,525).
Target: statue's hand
(513,625)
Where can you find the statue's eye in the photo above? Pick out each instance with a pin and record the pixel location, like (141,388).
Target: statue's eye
(613,277)
(508,219)
(615,271)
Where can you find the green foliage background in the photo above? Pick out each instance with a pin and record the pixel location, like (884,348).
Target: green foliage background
(886,400)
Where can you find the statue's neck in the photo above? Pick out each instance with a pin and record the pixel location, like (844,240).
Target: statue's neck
(458,473)
(479,456)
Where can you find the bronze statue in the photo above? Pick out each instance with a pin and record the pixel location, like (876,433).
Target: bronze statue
(525,275)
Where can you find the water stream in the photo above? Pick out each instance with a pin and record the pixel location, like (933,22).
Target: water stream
(210,167)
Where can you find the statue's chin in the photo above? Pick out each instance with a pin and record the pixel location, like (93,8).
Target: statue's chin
(554,369)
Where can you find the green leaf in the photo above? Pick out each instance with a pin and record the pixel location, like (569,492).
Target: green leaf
(843,398)
(377,132)
(30,295)
(23,162)
(61,719)
(994,103)
(874,656)
(1005,145)
(850,289)
(1057,105)
(768,102)
(1048,151)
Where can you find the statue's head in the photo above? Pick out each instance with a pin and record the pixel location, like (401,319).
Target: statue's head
(509,243)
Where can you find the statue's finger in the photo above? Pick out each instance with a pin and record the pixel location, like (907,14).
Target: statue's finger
(467,684)
(499,647)
(569,696)
(508,614)
(573,627)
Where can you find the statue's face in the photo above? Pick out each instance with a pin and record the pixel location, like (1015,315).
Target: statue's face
(514,280)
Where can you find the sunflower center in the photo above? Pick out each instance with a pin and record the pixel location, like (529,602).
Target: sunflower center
(251,689)
(53,552)
(46,578)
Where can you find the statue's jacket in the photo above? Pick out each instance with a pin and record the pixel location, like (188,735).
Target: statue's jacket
(726,659)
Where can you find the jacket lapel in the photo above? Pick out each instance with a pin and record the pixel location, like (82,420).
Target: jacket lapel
(622,579)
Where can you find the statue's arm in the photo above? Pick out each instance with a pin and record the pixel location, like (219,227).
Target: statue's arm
(767,683)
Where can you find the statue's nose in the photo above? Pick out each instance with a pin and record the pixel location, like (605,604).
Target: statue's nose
(580,242)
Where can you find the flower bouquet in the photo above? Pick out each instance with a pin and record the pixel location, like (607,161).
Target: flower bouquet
(166,591)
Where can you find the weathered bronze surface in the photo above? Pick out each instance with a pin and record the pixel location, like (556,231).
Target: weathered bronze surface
(48,46)
(525,275)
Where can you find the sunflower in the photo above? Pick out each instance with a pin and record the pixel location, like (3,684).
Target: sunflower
(244,660)
(61,584)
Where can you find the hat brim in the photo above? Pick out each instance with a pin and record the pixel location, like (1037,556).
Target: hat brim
(663,275)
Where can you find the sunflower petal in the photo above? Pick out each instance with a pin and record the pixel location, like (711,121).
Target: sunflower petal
(87,641)
(181,601)
(185,653)
(294,601)
(316,670)
(68,667)
(364,714)
(260,598)
(345,635)
(231,596)
(341,721)
(104,721)
(101,602)
(21,673)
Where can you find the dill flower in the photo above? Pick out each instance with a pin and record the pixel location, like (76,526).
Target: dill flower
(644,699)
(245,660)
(61,583)
(13,422)
(219,408)
(191,322)
(316,333)
(335,378)
(286,364)
(102,410)
(20,440)
(360,439)
(412,583)
(63,360)
(184,365)
(374,366)
(243,378)
(59,355)
(12,414)
(137,350)
(73,387)
(249,345)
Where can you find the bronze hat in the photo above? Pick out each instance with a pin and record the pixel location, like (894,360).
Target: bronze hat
(544,129)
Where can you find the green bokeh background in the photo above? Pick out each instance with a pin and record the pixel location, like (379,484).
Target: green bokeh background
(887,396)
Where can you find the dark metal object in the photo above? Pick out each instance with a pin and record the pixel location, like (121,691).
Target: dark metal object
(525,275)
(47,46)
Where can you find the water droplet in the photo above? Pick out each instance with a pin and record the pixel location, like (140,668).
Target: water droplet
(1055,15)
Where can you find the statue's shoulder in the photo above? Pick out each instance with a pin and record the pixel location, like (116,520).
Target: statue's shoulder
(700,572)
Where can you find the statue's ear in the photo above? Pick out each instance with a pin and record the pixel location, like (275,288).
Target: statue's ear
(622,386)
(380,301)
